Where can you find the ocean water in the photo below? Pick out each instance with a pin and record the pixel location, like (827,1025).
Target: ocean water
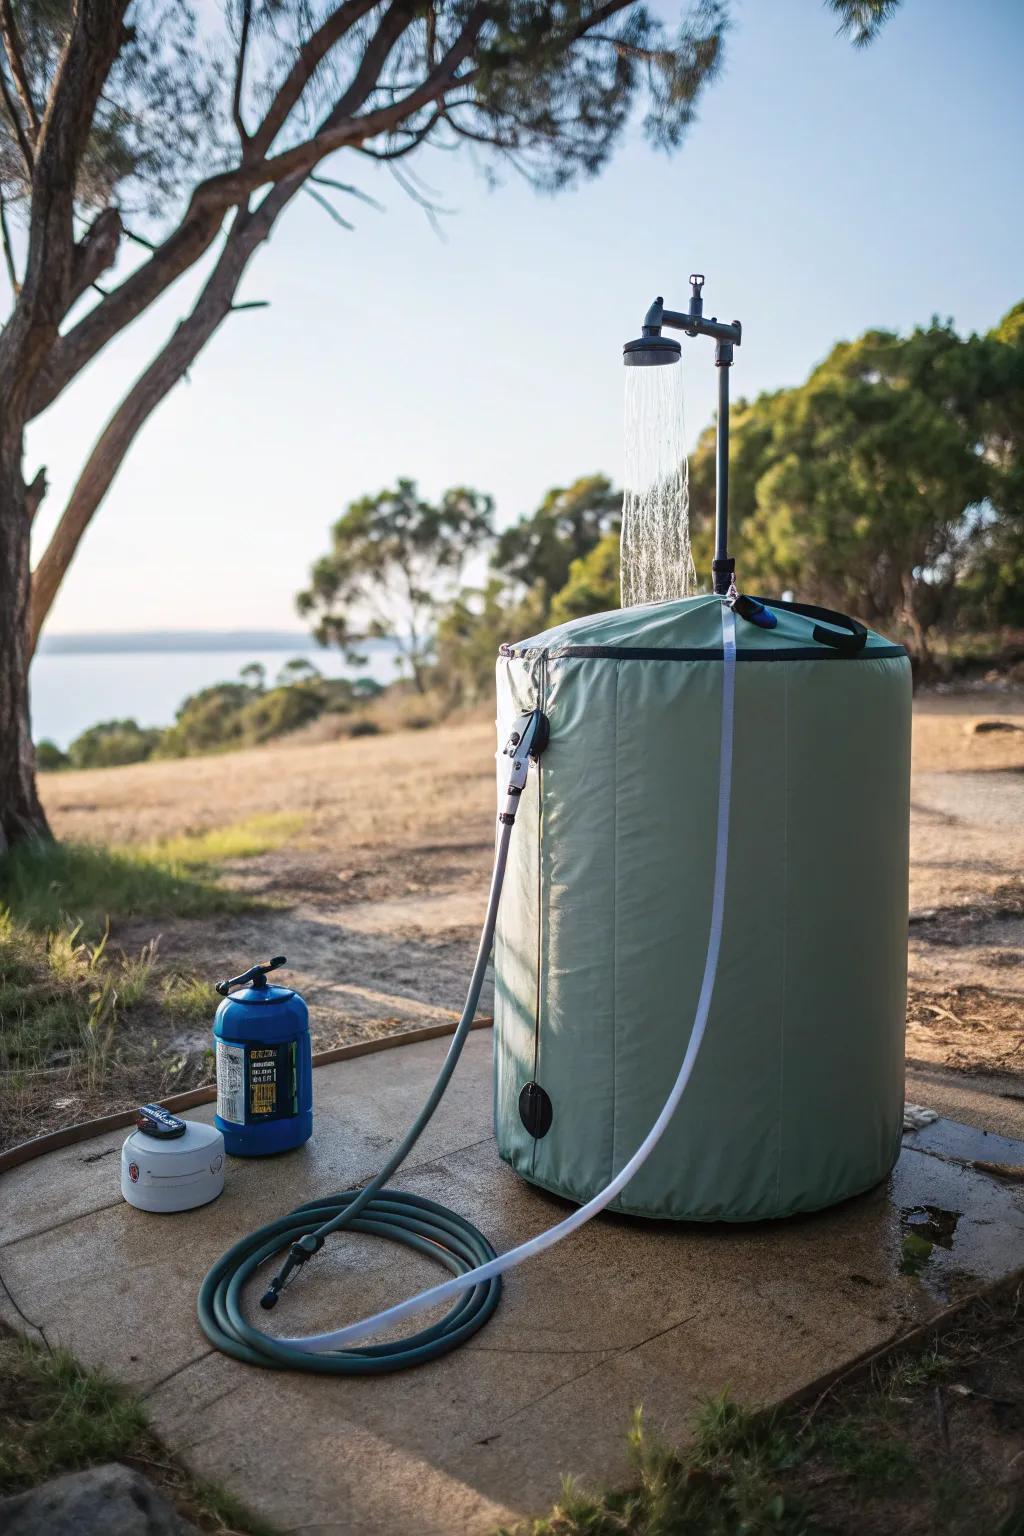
(71,691)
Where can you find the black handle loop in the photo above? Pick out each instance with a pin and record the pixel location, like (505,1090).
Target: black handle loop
(255,976)
(855,639)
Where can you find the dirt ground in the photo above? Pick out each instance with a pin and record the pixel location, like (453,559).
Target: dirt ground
(377,903)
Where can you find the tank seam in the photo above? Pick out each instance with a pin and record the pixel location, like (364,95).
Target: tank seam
(538,992)
(780,1119)
(615,925)
(778,655)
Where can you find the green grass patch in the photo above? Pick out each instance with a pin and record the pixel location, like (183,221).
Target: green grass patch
(84,1025)
(45,884)
(57,999)
(57,1417)
(727,1484)
(192,999)
(239,840)
(866,1452)
(743,1474)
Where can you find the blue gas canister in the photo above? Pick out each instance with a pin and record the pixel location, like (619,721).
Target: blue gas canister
(264,1065)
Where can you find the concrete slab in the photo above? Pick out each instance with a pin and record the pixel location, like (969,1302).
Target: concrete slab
(625,1312)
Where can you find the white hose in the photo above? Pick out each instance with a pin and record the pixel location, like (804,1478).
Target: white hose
(341,1338)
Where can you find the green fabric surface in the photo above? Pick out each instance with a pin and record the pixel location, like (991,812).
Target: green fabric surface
(796,1099)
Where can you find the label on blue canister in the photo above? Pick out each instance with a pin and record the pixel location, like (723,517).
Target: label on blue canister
(256,1083)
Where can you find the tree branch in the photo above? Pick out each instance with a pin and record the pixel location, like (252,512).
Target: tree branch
(416,138)
(12,271)
(95,252)
(35,491)
(11,109)
(214,304)
(236,99)
(78,346)
(205,214)
(341,128)
(12,48)
(312,53)
(96,37)
(346,186)
(328,208)
(431,209)
(212,198)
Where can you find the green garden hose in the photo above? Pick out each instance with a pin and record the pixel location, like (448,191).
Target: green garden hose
(421,1224)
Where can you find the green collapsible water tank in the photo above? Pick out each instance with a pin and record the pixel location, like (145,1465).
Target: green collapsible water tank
(796,1099)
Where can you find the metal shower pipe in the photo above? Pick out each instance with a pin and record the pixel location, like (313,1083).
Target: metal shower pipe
(651,348)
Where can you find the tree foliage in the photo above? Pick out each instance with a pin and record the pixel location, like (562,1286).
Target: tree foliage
(111,744)
(471,629)
(395,560)
(592,584)
(537,551)
(888,484)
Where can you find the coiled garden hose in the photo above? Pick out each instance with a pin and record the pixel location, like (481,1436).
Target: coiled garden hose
(421,1224)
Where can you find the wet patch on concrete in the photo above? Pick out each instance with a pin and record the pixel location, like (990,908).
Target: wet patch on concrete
(925,1227)
(961,1225)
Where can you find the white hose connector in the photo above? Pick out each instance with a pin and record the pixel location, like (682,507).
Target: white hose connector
(341,1338)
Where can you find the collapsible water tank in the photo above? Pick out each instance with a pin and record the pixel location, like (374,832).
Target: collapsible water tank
(796,1100)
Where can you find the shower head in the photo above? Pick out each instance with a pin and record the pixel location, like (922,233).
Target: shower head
(649,350)
(651,347)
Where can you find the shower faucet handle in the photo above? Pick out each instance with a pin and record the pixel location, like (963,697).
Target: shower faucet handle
(696,298)
(527,741)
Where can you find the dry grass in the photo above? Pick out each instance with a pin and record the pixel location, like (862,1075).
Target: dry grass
(84,1023)
(372,792)
(944,732)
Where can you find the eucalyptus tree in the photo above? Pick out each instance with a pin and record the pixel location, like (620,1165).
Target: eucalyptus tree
(395,560)
(139,138)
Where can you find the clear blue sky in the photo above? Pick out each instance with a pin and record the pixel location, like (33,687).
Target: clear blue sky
(824,190)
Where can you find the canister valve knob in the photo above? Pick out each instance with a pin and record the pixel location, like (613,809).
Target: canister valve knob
(255,976)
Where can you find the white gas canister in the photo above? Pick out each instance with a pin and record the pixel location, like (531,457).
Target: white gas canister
(169,1169)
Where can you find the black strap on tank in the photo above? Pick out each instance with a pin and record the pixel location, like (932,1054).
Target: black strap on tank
(850,643)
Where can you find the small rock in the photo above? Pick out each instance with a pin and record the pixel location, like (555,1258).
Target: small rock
(983,727)
(102,1501)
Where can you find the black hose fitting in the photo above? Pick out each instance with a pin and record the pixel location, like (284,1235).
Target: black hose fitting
(268,1301)
(307,1247)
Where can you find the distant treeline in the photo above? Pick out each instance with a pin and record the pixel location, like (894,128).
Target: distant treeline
(245,713)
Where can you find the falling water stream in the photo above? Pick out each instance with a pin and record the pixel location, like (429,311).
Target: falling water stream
(656,561)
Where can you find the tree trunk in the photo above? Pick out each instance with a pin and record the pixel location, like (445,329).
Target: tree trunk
(21,814)
(918,632)
(419,677)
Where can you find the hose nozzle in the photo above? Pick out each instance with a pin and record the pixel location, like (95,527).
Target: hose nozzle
(306,1248)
